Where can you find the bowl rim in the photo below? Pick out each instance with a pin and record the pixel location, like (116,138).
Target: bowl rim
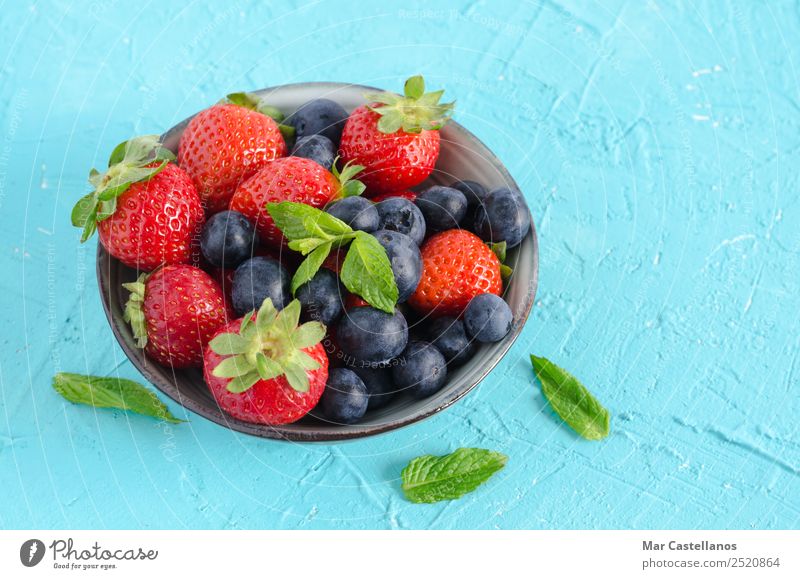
(217,416)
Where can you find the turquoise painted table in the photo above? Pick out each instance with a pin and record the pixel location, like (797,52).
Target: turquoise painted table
(657,145)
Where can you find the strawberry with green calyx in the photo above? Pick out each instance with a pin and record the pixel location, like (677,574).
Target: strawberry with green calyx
(173,313)
(146,209)
(396,138)
(254,102)
(228,143)
(456,267)
(265,368)
(366,270)
(293,179)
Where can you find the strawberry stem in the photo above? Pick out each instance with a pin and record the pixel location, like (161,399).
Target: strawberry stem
(414,112)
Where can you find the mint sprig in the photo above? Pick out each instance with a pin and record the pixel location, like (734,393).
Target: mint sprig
(138,159)
(366,270)
(571,400)
(105,392)
(430,479)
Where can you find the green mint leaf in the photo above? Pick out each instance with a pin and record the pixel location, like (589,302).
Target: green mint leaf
(294,220)
(103,392)
(310,266)
(366,272)
(571,400)
(430,479)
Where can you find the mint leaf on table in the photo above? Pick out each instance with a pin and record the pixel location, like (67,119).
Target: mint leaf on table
(366,270)
(430,479)
(571,400)
(104,392)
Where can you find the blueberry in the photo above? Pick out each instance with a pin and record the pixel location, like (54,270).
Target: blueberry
(378,381)
(357,212)
(487,318)
(405,258)
(318,148)
(450,338)
(368,335)
(228,239)
(319,117)
(403,216)
(321,297)
(259,278)
(345,398)
(421,370)
(503,216)
(474,192)
(442,207)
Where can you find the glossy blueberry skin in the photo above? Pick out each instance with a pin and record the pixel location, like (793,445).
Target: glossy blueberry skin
(318,148)
(450,338)
(357,212)
(442,207)
(321,297)
(259,278)
(474,192)
(488,318)
(379,384)
(406,261)
(403,216)
(367,335)
(421,370)
(504,216)
(345,398)
(228,239)
(319,117)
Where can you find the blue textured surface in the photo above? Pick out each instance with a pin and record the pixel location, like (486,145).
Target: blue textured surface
(657,145)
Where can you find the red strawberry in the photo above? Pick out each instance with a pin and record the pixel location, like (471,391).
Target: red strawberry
(335,260)
(227,143)
(354,301)
(265,368)
(173,312)
(410,195)
(396,138)
(290,179)
(146,209)
(456,267)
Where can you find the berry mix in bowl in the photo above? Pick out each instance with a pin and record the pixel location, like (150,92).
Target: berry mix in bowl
(313,262)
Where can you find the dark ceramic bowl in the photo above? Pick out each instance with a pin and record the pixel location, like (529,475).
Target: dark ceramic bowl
(462,156)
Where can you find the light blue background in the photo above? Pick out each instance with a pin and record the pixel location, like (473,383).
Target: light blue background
(657,144)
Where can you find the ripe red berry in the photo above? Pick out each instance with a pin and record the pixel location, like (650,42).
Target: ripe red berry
(146,209)
(286,179)
(224,145)
(173,312)
(396,138)
(267,369)
(456,267)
